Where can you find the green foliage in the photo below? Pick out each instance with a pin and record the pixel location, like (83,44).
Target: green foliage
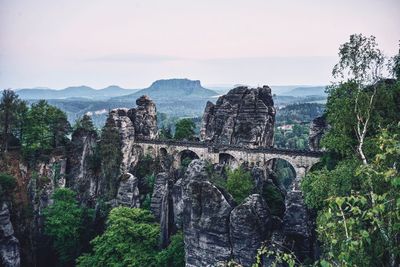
(185,129)
(84,123)
(63,223)
(165,133)
(174,254)
(46,127)
(276,256)
(146,166)
(130,239)
(275,200)
(359,220)
(323,184)
(298,113)
(239,184)
(12,113)
(7,184)
(297,138)
(111,157)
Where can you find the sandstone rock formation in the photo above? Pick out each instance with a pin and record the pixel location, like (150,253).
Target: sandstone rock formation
(9,245)
(119,120)
(205,219)
(144,118)
(140,122)
(297,225)
(317,129)
(242,117)
(248,229)
(128,192)
(159,194)
(80,177)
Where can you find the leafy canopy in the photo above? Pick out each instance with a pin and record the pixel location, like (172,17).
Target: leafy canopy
(63,223)
(185,129)
(131,239)
(239,184)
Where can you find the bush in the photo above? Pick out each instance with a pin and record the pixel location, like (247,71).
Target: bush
(239,184)
(275,200)
(7,182)
(174,254)
(64,223)
(131,239)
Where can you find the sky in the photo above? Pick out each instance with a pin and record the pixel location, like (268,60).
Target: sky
(131,43)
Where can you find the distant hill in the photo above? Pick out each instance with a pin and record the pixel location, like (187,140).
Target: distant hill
(172,89)
(74,92)
(307,91)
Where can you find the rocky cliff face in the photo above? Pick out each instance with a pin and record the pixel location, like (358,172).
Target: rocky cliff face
(317,129)
(242,117)
(131,124)
(249,227)
(80,174)
(9,244)
(144,118)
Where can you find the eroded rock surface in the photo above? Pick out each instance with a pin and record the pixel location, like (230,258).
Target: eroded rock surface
(144,118)
(9,244)
(205,219)
(317,129)
(242,117)
(248,228)
(81,177)
(128,192)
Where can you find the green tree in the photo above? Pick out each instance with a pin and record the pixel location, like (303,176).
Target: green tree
(362,229)
(356,195)
(111,157)
(174,254)
(239,184)
(185,129)
(7,185)
(360,64)
(165,133)
(63,223)
(130,239)
(46,127)
(84,123)
(11,108)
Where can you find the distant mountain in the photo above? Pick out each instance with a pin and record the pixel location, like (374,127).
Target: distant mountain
(307,91)
(172,89)
(74,92)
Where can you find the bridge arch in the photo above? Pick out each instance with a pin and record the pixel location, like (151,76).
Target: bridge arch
(228,159)
(284,170)
(185,156)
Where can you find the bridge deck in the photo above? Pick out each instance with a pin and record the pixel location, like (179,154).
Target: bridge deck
(222,148)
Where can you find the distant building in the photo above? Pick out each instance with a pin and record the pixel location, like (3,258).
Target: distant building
(286,127)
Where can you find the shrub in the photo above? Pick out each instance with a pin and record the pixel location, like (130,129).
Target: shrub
(7,182)
(174,254)
(239,184)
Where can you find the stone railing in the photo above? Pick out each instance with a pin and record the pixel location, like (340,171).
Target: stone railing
(220,147)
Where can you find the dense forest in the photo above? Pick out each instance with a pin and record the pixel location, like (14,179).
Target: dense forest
(353,193)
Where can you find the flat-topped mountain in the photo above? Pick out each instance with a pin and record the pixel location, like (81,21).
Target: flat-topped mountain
(74,92)
(172,88)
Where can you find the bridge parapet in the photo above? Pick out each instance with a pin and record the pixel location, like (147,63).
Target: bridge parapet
(216,148)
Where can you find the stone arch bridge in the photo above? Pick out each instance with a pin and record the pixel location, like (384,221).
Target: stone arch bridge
(301,160)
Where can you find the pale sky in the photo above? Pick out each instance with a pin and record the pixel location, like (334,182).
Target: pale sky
(131,43)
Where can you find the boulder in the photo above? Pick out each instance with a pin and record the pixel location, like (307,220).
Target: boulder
(317,129)
(9,245)
(128,192)
(249,227)
(144,118)
(205,219)
(242,117)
